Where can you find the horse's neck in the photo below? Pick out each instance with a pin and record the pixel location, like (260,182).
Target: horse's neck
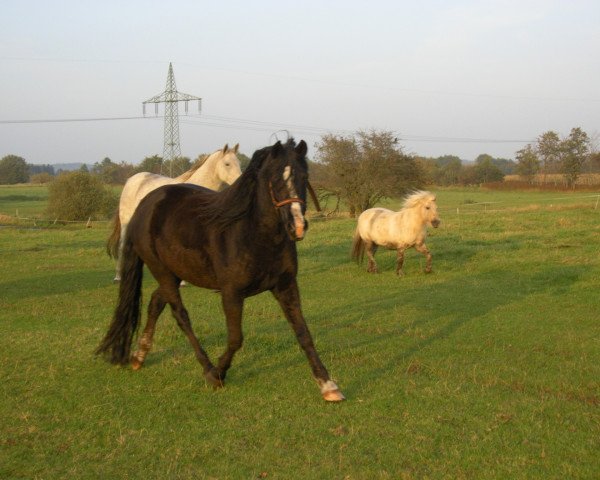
(206,175)
(411,221)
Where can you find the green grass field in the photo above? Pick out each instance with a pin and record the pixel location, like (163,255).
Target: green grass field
(489,368)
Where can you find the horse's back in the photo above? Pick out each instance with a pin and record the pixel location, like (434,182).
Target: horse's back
(135,189)
(373,224)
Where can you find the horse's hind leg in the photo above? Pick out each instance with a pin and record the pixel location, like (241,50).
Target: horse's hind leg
(183,320)
(400,261)
(155,308)
(371,248)
(120,253)
(422,248)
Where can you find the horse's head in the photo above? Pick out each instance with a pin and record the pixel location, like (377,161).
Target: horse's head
(423,203)
(227,166)
(430,211)
(287,178)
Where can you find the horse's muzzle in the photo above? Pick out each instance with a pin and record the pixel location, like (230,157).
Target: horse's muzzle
(435,223)
(297,230)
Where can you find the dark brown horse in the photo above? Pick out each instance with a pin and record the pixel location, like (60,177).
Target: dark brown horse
(240,241)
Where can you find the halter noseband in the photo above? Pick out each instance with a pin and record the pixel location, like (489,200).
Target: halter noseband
(281,203)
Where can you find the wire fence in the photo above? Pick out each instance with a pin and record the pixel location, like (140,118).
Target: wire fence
(468,208)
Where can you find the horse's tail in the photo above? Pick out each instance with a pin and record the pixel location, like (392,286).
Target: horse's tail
(112,244)
(358,247)
(116,345)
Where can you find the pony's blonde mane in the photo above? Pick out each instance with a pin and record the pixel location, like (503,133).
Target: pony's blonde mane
(417,198)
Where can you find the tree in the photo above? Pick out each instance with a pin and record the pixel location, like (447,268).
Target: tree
(549,152)
(78,196)
(575,149)
(486,171)
(449,173)
(13,169)
(177,166)
(151,164)
(528,163)
(363,168)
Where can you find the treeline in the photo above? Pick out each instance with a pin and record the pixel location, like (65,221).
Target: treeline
(15,169)
(570,156)
(451,170)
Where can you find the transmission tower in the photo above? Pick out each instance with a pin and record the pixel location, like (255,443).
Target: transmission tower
(171,98)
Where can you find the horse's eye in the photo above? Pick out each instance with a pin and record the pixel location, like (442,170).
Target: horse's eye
(427,208)
(228,165)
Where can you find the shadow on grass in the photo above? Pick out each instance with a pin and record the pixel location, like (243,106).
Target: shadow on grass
(476,296)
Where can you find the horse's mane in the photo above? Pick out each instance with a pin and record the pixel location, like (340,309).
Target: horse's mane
(417,198)
(225,207)
(201,161)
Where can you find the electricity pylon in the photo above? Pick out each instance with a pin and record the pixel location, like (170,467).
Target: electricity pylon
(171,98)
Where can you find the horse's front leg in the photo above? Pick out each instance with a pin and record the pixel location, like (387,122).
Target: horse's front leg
(400,261)
(233,305)
(422,248)
(286,293)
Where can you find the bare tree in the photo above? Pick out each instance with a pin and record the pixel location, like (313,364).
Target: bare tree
(363,168)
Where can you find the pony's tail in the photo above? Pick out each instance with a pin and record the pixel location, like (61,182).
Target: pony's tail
(112,244)
(358,247)
(116,345)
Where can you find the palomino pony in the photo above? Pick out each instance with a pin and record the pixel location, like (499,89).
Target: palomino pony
(220,168)
(396,230)
(239,242)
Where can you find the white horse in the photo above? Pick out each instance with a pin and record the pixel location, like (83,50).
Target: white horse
(396,230)
(219,169)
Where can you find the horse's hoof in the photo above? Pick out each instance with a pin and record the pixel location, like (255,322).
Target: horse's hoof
(136,364)
(213,379)
(334,396)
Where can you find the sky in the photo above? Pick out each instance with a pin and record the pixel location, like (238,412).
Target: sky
(448,77)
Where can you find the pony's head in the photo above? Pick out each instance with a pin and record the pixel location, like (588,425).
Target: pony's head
(285,172)
(227,164)
(424,203)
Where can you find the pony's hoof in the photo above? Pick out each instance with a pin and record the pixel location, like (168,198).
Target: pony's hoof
(136,364)
(213,379)
(334,396)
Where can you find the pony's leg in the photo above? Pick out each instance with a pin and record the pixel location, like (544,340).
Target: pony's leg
(232,306)
(371,249)
(289,300)
(155,308)
(400,261)
(422,248)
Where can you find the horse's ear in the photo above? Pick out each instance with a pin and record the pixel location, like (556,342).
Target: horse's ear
(302,148)
(225,148)
(236,148)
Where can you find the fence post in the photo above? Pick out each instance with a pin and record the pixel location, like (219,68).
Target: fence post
(596,206)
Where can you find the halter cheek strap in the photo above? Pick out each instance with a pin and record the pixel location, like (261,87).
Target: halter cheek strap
(281,203)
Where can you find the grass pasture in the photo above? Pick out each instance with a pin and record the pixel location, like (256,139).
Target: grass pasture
(489,368)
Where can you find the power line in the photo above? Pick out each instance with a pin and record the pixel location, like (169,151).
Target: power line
(263,126)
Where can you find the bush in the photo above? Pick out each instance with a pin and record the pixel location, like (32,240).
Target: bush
(79,196)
